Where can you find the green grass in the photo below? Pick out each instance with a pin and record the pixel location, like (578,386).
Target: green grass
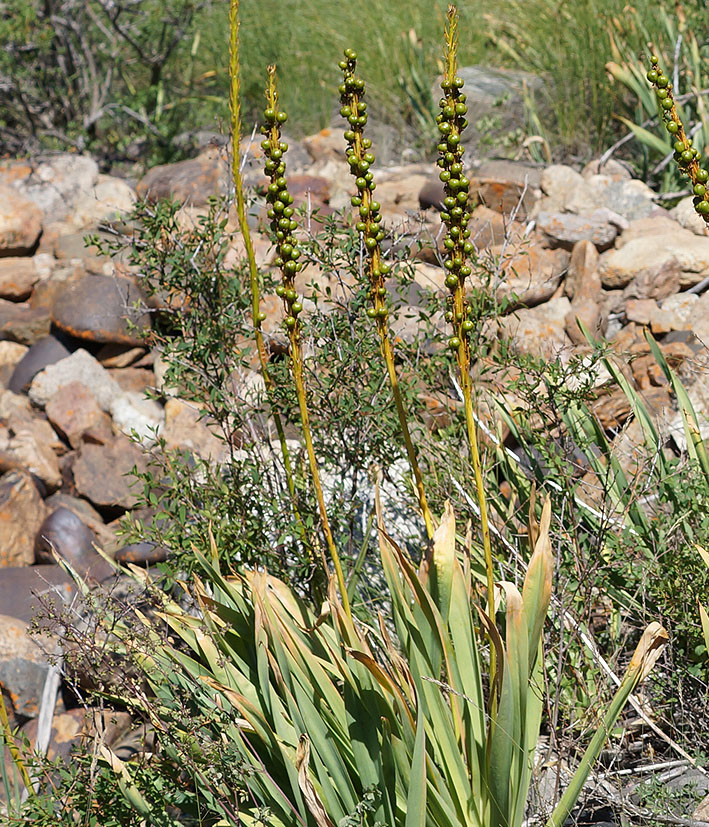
(568,43)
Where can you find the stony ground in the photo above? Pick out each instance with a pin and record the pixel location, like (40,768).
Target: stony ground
(593,244)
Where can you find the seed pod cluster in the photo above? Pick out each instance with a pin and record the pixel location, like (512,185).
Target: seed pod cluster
(360,159)
(451,122)
(686,156)
(280,206)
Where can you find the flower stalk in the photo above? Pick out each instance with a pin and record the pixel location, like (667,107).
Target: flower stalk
(258,316)
(451,122)
(283,227)
(686,155)
(360,159)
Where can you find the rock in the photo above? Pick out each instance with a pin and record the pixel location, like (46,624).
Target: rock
(79,367)
(88,515)
(506,186)
(65,534)
(146,554)
(567,191)
(20,322)
(133,414)
(643,227)
(55,183)
(327,144)
(133,380)
(21,514)
(30,451)
(18,276)
(102,309)
(494,96)
(67,728)
(681,308)
(489,228)
(586,311)
(25,591)
(399,190)
(656,282)
(112,355)
(431,194)
(73,248)
(699,322)
(530,273)
(303,186)
(10,354)
(430,277)
(20,223)
(582,279)
(46,351)
(109,200)
(186,430)
(408,324)
(566,229)
(559,183)
(539,331)
(615,170)
(73,410)
(619,267)
(640,310)
(23,668)
(103,473)
(686,216)
(193,181)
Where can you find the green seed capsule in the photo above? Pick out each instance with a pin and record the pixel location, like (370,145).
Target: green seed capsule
(672,127)
(468,326)
(281,117)
(371,312)
(261,316)
(290,322)
(703,208)
(296,308)
(702,175)
(360,226)
(454,343)
(451,282)
(700,190)
(270,115)
(349,135)
(280,291)
(662,80)
(652,75)
(444,128)
(687,156)
(370,243)
(375,206)
(661,93)
(666,103)
(382,312)
(381,291)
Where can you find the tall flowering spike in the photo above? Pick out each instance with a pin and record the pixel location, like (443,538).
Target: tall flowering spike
(451,122)
(369,225)
(360,159)
(280,205)
(686,156)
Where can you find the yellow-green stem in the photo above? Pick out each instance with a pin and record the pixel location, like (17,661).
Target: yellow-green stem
(297,368)
(235,107)
(388,354)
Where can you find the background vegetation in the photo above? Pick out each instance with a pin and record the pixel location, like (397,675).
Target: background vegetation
(126,79)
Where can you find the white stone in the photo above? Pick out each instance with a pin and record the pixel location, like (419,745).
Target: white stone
(79,367)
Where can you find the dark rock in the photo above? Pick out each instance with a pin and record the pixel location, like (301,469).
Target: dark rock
(102,309)
(141,553)
(21,514)
(23,668)
(102,473)
(45,352)
(65,534)
(495,96)
(432,194)
(27,590)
